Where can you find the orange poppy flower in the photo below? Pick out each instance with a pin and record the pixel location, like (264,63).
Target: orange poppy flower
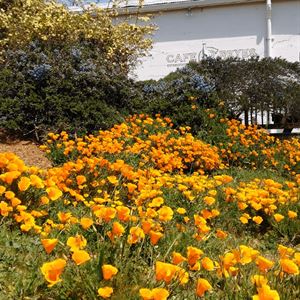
(288,266)
(54,193)
(86,223)
(165,213)
(257,219)
(136,234)
(154,294)
(221,234)
(178,258)
(202,286)
(105,292)
(207,264)
(292,214)
(155,236)
(167,272)
(278,217)
(52,270)
(76,243)
(109,271)
(259,280)
(24,184)
(193,254)
(80,257)
(265,293)
(49,244)
(264,264)
(80,179)
(123,213)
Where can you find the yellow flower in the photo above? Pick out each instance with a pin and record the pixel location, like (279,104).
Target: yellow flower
(181,210)
(209,200)
(2,189)
(193,254)
(259,280)
(80,257)
(244,218)
(54,193)
(24,184)
(49,244)
(136,234)
(265,293)
(292,214)
(109,271)
(207,264)
(86,223)
(156,202)
(202,286)
(264,264)
(5,209)
(155,294)
(257,219)
(9,195)
(52,271)
(285,252)
(76,243)
(288,266)
(146,294)
(105,292)
(278,217)
(178,258)
(165,213)
(113,180)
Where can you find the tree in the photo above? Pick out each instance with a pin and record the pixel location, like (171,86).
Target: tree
(65,71)
(51,24)
(267,84)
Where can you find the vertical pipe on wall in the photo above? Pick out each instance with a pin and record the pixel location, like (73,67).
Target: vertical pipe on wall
(269,28)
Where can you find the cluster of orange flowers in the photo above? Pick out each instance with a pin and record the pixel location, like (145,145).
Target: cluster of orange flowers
(262,199)
(129,187)
(253,147)
(152,141)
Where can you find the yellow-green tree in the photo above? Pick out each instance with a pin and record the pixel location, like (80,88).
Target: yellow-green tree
(51,23)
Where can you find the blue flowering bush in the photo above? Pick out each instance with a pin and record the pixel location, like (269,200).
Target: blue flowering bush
(185,96)
(69,88)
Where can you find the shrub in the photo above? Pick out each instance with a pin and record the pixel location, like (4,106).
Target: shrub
(60,70)
(63,89)
(184,96)
(257,84)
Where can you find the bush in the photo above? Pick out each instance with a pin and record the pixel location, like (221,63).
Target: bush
(60,89)
(184,96)
(61,70)
(257,84)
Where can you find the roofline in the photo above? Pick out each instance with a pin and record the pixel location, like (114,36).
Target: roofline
(173,6)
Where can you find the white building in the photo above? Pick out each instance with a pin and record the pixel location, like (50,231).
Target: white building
(188,30)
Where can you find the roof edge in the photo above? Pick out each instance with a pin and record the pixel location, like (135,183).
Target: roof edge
(157,7)
(172,6)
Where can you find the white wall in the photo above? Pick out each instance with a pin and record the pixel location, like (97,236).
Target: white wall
(236,30)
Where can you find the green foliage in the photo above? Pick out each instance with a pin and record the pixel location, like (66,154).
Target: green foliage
(259,84)
(61,89)
(184,96)
(52,24)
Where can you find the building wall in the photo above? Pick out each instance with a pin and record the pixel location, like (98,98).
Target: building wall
(236,30)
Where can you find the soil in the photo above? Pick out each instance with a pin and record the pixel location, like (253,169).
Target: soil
(28,151)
